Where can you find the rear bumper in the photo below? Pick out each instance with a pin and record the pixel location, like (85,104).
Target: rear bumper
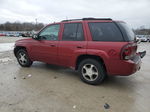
(125,67)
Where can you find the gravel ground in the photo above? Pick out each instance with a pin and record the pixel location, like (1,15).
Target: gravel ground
(49,88)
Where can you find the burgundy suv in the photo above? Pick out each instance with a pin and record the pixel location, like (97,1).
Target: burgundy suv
(95,47)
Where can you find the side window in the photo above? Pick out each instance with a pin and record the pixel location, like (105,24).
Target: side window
(73,32)
(105,32)
(50,33)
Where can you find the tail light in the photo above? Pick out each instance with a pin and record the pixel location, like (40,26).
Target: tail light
(128,51)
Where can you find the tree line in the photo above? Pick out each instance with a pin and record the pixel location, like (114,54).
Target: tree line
(142,31)
(17,26)
(28,26)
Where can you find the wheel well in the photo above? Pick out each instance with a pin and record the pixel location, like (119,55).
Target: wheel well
(82,57)
(18,48)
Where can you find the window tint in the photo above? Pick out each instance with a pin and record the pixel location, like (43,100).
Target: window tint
(105,32)
(50,33)
(73,32)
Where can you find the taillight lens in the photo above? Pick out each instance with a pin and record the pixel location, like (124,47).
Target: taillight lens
(128,51)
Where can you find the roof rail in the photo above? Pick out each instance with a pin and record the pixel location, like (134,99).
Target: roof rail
(86,19)
(71,20)
(96,19)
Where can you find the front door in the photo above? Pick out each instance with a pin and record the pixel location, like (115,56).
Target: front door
(46,47)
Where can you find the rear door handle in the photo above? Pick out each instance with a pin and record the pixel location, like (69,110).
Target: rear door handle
(79,46)
(52,45)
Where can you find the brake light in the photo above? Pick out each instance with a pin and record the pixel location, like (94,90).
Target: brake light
(128,51)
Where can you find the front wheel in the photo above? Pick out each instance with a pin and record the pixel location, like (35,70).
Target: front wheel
(23,58)
(92,71)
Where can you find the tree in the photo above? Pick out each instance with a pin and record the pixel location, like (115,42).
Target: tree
(17,26)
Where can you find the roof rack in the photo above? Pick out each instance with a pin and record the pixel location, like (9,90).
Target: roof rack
(86,19)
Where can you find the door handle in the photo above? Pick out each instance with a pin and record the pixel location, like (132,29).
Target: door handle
(79,46)
(52,45)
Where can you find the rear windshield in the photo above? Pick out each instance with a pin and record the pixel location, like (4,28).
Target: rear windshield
(105,31)
(127,31)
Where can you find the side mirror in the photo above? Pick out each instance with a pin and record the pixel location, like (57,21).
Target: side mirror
(35,37)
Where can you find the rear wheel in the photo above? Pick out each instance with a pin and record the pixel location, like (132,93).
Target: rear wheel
(92,71)
(23,58)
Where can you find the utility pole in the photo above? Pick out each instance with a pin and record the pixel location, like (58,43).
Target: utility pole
(66,18)
(35,23)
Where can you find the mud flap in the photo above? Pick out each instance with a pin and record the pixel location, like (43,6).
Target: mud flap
(142,54)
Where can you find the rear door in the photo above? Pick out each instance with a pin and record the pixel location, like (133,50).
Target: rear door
(72,44)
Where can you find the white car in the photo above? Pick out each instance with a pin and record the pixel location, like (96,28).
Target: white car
(143,39)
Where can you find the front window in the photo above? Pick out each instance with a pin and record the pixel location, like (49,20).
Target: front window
(50,33)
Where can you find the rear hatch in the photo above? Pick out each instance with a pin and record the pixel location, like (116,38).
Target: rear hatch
(129,51)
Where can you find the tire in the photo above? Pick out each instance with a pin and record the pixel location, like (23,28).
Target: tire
(23,58)
(92,72)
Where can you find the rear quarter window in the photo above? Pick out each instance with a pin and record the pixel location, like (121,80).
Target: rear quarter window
(127,31)
(102,31)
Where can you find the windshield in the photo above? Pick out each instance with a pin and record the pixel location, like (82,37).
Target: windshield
(127,31)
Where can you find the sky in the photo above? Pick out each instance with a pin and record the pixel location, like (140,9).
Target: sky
(134,12)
